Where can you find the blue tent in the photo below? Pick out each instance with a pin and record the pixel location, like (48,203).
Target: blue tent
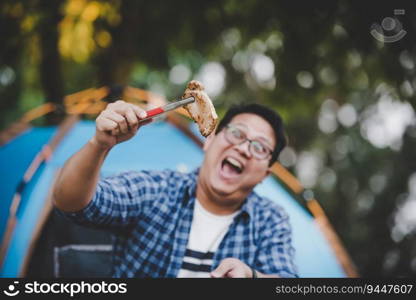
(159,145)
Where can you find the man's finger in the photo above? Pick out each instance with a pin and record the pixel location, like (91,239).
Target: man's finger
(115,131)
(122,107)
(235,273)
(140,113)
(119,119)
(131,118)
(112,115)
(224,267)
(106,124)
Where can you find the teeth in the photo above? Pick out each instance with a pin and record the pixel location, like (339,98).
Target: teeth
(234,162)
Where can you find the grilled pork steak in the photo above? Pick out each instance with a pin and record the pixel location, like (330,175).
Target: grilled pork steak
(202,111)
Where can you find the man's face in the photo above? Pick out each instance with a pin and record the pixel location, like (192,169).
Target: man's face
(230,172)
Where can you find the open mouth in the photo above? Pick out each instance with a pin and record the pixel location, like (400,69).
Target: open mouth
(232,166)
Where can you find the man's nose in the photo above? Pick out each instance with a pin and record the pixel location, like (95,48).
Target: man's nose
(244,148)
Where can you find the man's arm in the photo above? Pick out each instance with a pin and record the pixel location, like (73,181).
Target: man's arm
(275,253)
(77,181)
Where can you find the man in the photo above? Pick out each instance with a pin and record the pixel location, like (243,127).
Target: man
(208,223)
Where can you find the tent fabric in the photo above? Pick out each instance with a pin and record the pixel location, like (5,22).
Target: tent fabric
(15,158)
(160,145)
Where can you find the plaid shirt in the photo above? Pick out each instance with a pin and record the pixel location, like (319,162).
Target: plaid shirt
(151,214)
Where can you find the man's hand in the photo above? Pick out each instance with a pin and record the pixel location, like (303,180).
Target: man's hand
(118,123)
(232,268)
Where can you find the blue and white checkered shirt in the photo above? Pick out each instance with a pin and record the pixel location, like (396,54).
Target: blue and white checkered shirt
(151,213)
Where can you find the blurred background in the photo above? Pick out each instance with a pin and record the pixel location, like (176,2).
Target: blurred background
(341,74)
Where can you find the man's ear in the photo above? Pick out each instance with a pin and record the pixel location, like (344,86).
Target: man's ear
(268,172)
(208,141)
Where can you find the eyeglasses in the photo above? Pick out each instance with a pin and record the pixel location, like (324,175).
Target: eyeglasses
(237,136)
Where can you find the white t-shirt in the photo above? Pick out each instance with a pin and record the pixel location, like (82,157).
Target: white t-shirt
(207,232)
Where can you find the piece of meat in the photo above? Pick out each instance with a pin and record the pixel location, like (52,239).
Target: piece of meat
(202,111)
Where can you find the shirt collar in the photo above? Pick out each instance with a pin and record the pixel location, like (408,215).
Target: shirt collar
(247,209)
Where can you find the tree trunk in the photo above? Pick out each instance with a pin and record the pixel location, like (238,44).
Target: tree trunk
(50,64)
(115,64)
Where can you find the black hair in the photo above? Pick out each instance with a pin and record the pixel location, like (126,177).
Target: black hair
(269,115)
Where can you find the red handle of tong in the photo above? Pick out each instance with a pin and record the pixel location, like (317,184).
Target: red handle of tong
(155,111)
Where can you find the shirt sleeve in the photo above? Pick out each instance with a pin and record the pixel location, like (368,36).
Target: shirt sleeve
(276,253)
(118,200)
